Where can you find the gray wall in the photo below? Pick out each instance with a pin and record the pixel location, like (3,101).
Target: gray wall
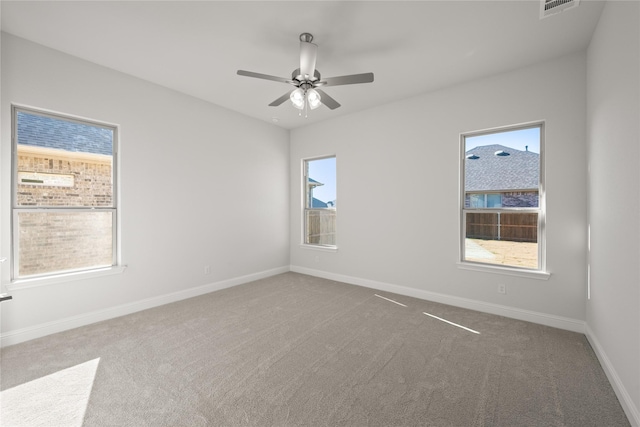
(613,312)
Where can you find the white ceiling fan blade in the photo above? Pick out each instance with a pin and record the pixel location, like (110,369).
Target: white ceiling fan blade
(308,54)
(280,100)
(331,103)
(264,76)
(347,80)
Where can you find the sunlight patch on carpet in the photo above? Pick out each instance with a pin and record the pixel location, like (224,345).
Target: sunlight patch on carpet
(451,323)
(388,299)
(59,399)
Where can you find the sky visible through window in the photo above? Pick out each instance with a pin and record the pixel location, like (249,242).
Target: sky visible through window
(518,139)
(324,171)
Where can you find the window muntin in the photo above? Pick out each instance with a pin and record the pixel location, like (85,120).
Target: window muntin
(320,203)
(502,214)
(64,194)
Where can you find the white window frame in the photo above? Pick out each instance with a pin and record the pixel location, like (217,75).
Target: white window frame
(538,273)
(305,208)
(66,275)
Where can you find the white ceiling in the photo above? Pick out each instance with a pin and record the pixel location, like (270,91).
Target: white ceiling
(196,47)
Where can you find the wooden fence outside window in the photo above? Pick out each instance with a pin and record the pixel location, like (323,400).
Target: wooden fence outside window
(516,227)
(321,227)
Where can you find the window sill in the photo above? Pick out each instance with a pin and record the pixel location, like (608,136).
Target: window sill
(529,274)
(319,247)
(34,282)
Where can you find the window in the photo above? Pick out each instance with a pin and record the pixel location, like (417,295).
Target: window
(64,194)
(319,183)
(502,198)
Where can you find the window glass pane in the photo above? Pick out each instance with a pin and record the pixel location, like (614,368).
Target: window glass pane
(506,164)
(63,163)
(51,241)
(476,200)
(502,172)
(321,183)
(320,202)
(320,227)
(494,200)
(509,239)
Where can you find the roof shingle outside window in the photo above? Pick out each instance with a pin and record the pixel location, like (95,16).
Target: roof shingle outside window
(485,171)
(49,132)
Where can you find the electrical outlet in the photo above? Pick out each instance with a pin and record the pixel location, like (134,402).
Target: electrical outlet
(207,269)
(502,288)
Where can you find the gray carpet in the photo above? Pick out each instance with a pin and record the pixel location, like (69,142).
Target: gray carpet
(294,350)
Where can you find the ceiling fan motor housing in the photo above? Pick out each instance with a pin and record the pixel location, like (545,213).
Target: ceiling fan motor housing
(300,79)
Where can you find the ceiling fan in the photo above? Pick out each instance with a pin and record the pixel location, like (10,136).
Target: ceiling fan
(307,80)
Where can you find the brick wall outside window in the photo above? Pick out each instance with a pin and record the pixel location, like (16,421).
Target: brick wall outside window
(58,241)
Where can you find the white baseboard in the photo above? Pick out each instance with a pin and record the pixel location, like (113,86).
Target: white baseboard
(37,331)
(630,409)
(500,310)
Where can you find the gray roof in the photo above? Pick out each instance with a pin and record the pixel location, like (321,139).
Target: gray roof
(49,132)
(520,170)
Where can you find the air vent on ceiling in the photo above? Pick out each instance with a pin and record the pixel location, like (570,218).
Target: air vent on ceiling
(551,7)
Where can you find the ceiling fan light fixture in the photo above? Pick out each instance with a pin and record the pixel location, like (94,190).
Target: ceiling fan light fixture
(313,98)
(297,98)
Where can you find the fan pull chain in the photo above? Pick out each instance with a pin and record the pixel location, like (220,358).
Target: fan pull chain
(306,105)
